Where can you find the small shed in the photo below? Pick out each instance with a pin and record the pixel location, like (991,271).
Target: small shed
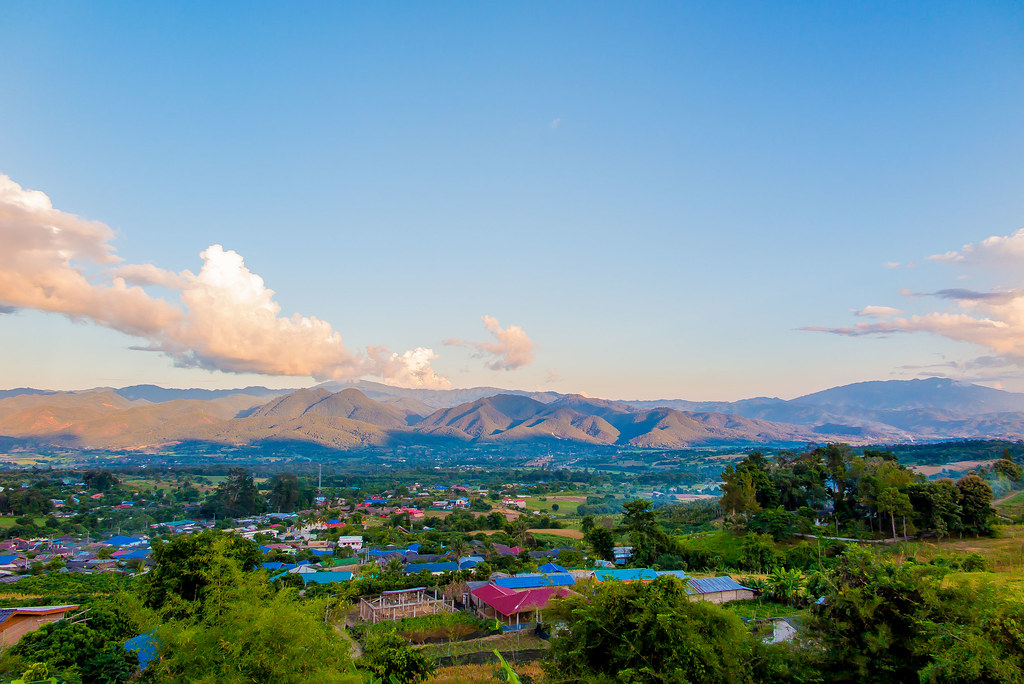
(717,589)
(17,622)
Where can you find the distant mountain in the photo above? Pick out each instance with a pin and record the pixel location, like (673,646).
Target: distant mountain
(156,394)
(435,398)
(933,394)
(147,416)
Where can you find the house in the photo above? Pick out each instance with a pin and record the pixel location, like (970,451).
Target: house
(8,563)
(515,610)
(354,543)
(717,589)
(514,503)
(17,622)
(622,554)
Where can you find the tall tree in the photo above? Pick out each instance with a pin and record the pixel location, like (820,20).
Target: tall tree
(975,499)
(285,492)
(236,496)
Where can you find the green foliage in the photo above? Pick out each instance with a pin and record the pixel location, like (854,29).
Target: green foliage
(244,631)
(285,492)
(883,621)
(777,522)
(602,541)
(235,497)
(181,575)
(388,655)
(651,633)
(85,651)
(975,499)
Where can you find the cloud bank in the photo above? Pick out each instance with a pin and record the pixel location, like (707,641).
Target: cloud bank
(223,318)
(992,319)
(511,347)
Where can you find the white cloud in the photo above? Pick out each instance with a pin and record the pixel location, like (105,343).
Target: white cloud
(224,318)
(1005,249)
(877,311)
(511,346)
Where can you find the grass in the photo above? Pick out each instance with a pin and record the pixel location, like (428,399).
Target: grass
(510,641)
(1011,505)
(567,505)
(417,630)
(472,674)
(1003,553)
(760,609)
(7,522)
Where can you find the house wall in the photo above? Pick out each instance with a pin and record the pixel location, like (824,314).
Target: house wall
(725,596)
(18,626)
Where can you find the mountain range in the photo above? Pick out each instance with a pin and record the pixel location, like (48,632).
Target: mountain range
(371,414)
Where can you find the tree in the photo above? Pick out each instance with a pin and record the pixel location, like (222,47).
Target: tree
(1008,469)
(388,655)
(100,480)
(650,633)
(179,581)
(894,502)
(285,492)
(739,494)
(246,631)
(236,496)
(975,498)
(603,543)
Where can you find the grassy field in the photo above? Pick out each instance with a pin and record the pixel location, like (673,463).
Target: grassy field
(472,674)
(567,505)
(1003,553)
(759,609)
(1011,505)
(8,521)
(511,641)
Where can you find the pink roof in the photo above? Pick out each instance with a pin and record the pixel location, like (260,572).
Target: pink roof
(522,601)
(491,591)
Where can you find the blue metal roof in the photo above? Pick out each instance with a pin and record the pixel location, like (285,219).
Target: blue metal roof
(681,574)
(121,540)
(625,574)
(551,567)
(413,568)
(325,577)
(277,566)
(710,585)
(556,579)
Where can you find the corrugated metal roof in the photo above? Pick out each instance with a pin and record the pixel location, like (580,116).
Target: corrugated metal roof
(625,574)
(531,581)
(325,577)
(681,574)
(413,568)
(710,585)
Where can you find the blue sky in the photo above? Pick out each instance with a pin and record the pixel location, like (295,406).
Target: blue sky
(660,195)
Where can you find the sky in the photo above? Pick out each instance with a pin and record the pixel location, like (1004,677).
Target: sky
(700,200)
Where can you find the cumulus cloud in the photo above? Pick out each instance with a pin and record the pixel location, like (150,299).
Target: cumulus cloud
(511,347)
(223,318)
(997,249)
